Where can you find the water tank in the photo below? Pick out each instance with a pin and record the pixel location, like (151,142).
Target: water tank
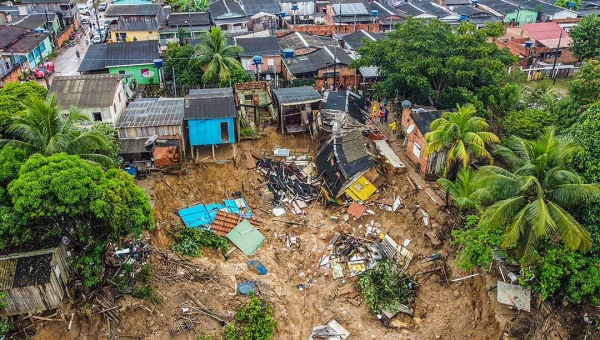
(294,7)
(375,13)
(406,104)
(474,2)
(571,4)
(257,60)
(282,14)
(464,17)
(288,53)
(528,44)
(158,63)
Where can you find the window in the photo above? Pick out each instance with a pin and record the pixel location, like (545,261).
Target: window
(148,20)
(224,132)
(121,71)
(417,150)
(119,97)
(97,116)
(115,107)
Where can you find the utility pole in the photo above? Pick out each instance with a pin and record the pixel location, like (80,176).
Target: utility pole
(335,46)
(43,62)
(556,58)
(95,7)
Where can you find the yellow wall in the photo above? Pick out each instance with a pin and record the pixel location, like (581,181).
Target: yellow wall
(361,190)
(140,35)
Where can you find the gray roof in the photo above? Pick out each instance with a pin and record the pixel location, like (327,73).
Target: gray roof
(504,7)
(85,91)
(189,19)
(133,10)
(10,34)
(13,10)
(93,60)
(223,9)
(297,95)
(258,46)
(317,60)
(146,112)
(457,2)
(132,145)
(33,21)
(210,104)
(350,9)
(336,100)
(252,7)
(384,9)
(355,40)
(45,1)
(131,53)
(297,40)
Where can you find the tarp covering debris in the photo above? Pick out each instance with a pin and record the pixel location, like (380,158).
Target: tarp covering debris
(514,295)
(246,237)
(204,214)
(331,331)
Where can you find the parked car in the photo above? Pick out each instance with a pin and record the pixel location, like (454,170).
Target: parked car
(83,9)
(85,21)
(96,39)
(102,7)
(39,71)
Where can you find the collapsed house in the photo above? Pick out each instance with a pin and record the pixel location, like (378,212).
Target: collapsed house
(347,167)
(34,281)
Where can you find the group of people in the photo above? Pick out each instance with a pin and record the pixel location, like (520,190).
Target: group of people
(383,114)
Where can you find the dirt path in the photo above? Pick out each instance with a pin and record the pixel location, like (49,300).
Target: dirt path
(463,310)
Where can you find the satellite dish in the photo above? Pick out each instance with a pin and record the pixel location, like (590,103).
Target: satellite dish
(151,140)
(148,74)
(410,129)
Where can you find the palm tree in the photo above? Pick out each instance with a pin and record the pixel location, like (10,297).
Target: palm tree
(530,199)
(462,135)
(217,56)
(462,190)
(43,130)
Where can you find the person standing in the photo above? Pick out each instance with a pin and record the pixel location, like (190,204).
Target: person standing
(381,115)
(385,102)
(374,112)
(77,54)
(394,127)
(387,112)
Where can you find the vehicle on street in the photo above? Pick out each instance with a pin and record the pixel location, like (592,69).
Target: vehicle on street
(96,39)
(85,20)
(39,71)
(102,7)
(83,9)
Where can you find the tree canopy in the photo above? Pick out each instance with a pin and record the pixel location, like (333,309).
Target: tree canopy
(586,38)
(42,129)
(585,84)
(530,200)
(462,136)
(190,5)
(217,56)
(435,63)
(183,61)
(12,97)
(528,123)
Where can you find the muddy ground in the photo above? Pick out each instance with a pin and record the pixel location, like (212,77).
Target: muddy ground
(460,310)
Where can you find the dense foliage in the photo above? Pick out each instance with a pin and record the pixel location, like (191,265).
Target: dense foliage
(12,97)
(436,63)
(218,57)
(182,61)
(191,241)
(528,123)
(477,241)
(384,287)
(586,37)
(190,5)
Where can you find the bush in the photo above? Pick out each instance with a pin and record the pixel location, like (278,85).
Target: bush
(528,123)
(478,243)
(5,328)
(255,320)
(248,131)
(191,241)
(384,287)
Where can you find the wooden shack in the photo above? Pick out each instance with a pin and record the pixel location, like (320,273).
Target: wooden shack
(35,281)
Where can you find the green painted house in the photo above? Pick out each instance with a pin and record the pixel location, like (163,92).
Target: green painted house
(511,11)
(135,58)
(522,16)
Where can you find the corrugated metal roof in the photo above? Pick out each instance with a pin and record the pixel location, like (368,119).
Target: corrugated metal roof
(94,58)
(131,53)
(33,21)
(423,119)
(545,31)
(189,19)
(225,222)
(91,90)
(152,112)
(258,46)
(246,237)
(210,104)
(252,7)
(222,9)
(7,273)
(132,10)
(132,145)
(297,95)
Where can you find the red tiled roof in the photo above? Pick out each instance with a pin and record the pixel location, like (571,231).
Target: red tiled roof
(225,222)
(545,31)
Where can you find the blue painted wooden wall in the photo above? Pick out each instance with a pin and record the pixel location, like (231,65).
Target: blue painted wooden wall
(208,131)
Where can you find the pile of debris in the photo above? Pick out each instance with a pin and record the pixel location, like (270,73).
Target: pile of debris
(288,186)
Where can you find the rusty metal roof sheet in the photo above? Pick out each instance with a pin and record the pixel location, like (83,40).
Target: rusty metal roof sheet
(225,222)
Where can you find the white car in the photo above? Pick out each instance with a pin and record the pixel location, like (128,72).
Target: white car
(83,9)
(96,39)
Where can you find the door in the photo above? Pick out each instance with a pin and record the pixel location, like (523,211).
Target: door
(225,132)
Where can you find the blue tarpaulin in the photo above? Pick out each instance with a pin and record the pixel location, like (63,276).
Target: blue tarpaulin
(204,214)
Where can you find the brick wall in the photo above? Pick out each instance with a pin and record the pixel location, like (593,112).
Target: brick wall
(65,35)
(414,138)
(13,76)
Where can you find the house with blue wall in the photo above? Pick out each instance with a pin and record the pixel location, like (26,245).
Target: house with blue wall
(210,116)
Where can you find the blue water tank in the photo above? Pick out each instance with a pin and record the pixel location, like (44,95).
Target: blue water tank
(528,44)
(257,60)
(288,53)
(132,170)
(571,4)
(282,14)
(474,2)
(464,17)
(158,63)
(375,13)
(294,7)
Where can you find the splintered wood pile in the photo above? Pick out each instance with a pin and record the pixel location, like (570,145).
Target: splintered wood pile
(177,268)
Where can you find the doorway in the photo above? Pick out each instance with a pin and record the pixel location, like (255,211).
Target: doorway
(224,132)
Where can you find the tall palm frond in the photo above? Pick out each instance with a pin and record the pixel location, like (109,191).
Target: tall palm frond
(462,190)
(217,56)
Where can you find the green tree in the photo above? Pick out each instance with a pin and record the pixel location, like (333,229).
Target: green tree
(43,130)
(585,84)
(565,3)
(433,62)
(462,190)
(190,5)
(12,97)
(586,38)
(587,135)
(462,136)
(528,123)
(256,320)
(182,59)
(497,101)
(64,194)
(384,287)
(237,76)
(530,199)
(217,56)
